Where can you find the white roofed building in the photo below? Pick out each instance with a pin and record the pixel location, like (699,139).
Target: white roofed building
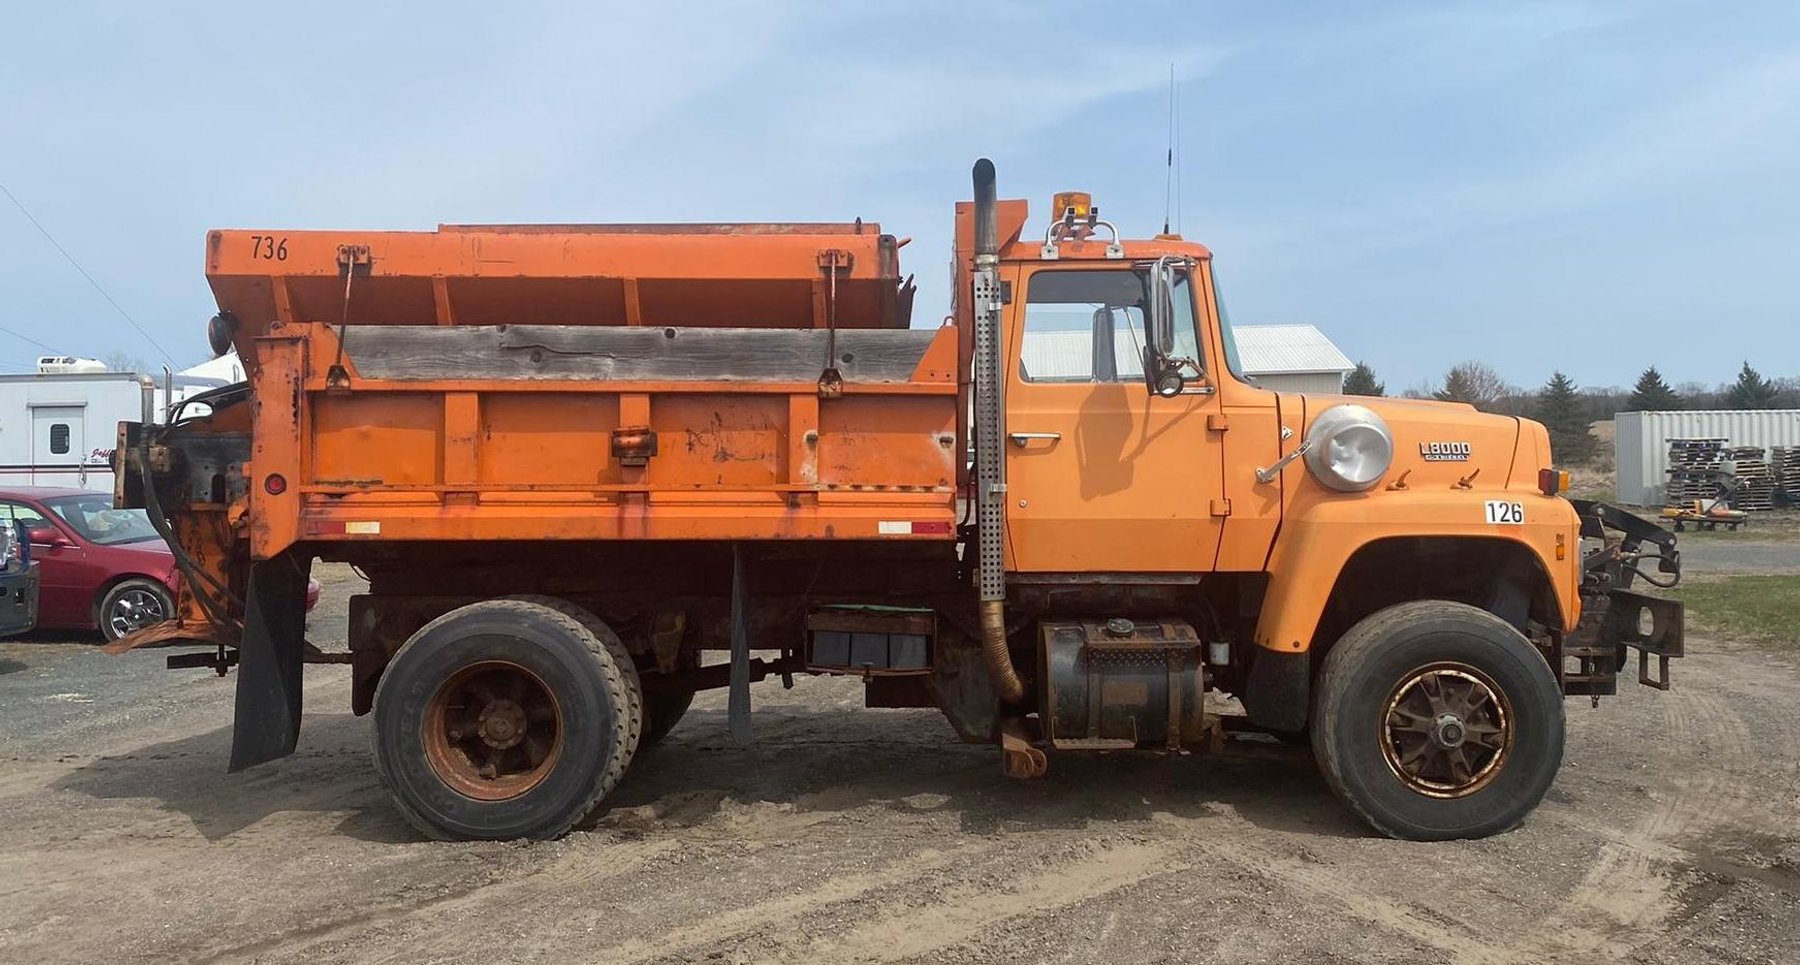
(1292,358)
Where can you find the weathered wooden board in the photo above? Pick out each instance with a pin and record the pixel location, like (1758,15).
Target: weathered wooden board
(578,352)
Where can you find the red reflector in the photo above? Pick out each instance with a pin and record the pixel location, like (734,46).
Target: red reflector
(275,484)
(938,528)
(325,528)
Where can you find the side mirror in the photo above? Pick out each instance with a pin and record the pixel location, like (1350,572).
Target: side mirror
(1161,376)
(49,536)
(1162,307)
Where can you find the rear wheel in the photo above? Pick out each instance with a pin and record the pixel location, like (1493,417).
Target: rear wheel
(1438,720)
(132,605)
(500,720)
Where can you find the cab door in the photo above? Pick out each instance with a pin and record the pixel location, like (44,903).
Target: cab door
(1101,475)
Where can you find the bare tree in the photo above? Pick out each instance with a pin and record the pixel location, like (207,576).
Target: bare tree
(125,362)
(1473,382)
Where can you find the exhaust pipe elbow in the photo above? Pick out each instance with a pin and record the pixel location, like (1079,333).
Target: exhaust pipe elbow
(1005,677)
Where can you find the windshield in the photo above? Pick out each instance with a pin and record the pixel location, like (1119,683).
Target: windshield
(98,522)
(1227,338)
(1088,325)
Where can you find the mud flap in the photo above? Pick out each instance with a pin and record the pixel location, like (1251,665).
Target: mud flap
(267,720)
(738,704)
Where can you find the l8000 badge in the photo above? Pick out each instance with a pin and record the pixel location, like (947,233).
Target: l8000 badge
(1444,451)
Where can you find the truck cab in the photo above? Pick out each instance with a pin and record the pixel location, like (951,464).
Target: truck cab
(572,458)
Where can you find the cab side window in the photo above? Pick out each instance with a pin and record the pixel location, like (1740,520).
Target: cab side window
(1088,326)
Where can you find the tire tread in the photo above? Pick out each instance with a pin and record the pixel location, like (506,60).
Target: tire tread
(617,680)
(1357,645)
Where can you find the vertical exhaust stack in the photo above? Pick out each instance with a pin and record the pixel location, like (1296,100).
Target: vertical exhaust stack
(990,482)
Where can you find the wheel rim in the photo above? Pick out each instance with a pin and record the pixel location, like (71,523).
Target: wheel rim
(1447,730)
(493,731)
(133,610)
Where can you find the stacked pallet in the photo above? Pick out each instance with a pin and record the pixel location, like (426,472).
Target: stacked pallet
(1786,466)
(1696,470)
(1753,484)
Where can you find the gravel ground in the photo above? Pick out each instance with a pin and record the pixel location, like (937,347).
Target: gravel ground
(872,836)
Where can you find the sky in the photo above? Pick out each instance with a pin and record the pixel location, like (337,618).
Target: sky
(1590,187)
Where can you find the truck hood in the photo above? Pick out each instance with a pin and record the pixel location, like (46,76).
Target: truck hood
(1444,443)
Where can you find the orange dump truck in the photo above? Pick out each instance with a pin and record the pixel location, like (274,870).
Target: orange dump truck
(572,458)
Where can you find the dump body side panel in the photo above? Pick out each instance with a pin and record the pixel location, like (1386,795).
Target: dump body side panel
(556,432)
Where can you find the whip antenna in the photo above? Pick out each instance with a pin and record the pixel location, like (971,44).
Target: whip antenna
(1169,156)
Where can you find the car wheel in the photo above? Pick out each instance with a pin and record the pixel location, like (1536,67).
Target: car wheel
(131,605)
(501,720)
(1438,720)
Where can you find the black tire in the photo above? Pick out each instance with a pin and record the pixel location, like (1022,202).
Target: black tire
(131,605)
(434,781)
(1366,688)
(661,713)
(615,648)
(1293,738)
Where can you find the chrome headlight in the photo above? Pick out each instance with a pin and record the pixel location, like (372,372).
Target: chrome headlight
(1349,448)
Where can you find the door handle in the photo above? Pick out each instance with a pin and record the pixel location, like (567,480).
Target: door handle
(1022,439)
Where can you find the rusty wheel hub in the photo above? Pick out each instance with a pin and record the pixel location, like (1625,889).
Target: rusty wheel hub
(1447,730)
(493,731)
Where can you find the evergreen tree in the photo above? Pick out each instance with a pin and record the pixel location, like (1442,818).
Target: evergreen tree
(1361,381)
(1750,391)
(1562,411)
(1652,394)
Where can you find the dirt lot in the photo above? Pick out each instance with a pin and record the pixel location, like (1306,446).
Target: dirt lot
(1672,835)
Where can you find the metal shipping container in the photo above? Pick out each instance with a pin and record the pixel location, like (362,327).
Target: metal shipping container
(1642,442)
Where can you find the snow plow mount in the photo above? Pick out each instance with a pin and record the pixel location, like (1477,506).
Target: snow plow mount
(1616,618)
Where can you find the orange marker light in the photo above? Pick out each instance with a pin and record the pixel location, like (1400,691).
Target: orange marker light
(1073,204)
(1551,482)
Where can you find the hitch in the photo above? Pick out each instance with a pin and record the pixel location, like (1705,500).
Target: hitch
(219,661)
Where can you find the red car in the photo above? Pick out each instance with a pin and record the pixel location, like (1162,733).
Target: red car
(99,567)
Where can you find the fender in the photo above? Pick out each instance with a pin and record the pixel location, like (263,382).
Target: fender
(1321,533)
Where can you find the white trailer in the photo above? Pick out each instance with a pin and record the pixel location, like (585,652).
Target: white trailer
(60,428)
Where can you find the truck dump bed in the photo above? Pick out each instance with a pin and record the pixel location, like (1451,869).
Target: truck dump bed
(588,382)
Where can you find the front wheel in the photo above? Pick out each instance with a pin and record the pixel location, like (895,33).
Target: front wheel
(501,720)
(1437,720)
(132,605)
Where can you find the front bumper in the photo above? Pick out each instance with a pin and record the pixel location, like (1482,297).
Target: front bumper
(18,600)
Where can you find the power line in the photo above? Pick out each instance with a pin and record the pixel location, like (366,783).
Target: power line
(27,338)
(84,273)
